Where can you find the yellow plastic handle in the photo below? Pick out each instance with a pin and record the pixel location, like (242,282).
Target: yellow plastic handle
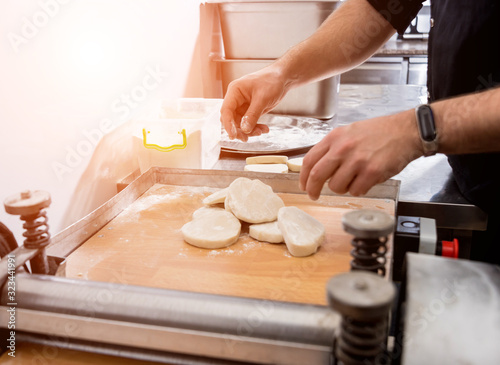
(165,149)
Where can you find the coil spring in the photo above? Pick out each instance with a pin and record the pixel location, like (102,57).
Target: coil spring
(361,342)
(369,254)
(36,230)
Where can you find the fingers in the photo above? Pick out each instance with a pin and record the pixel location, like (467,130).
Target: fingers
(227,120)
(247,99)
(263,128)
(252,115)
(360,186)
(338,160)
(317,167)
(310,160)
(257,131)
(356,157)
(341,176)
(236,125)
(341,182)
(368,177)
(344,174)
(241,136)
(319,174)
(235,104)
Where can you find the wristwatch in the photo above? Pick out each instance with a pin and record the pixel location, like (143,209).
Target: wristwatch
(427,129)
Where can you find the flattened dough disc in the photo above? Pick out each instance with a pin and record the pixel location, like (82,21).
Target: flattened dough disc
(278,168)
(266,159)
(267,232)
(303,233)
(253,201)
(295,164)
(216,198)
(212,228)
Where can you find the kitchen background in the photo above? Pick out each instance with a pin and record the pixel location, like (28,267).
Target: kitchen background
(72,70)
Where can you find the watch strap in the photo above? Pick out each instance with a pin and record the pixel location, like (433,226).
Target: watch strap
(427,129)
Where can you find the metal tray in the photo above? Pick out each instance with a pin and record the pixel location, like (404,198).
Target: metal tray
(68,240)
(267,29)
(286,133)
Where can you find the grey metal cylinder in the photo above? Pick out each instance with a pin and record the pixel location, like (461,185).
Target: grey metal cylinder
(200,324)
(222,314)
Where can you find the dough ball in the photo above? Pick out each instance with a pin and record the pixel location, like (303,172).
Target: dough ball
(295,164)
(303,234)
(212,228)
(253,201)
(216,198)
(278,168)
(268,232)
(266,159)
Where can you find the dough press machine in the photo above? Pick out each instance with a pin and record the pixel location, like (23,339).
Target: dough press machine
(369,318)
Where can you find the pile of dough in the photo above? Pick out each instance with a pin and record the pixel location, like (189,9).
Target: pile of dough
(212,228)
(216,198)
(295,164)
(253,201)
(303,234)
(268,232)
(279,168)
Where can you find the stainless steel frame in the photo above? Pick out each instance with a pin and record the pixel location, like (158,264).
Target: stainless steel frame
(452,313)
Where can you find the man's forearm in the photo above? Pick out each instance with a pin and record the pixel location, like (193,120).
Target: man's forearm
(469,124)
(348,37)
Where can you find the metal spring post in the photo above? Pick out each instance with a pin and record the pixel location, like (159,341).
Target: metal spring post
(370,229)
(363,299)
(29,205)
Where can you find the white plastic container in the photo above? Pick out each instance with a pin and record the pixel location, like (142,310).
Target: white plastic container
(186,135)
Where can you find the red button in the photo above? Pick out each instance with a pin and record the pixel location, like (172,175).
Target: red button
(450,248)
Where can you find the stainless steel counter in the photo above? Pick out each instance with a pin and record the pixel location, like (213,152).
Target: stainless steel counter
(403,48)
(396,62)
(427,185)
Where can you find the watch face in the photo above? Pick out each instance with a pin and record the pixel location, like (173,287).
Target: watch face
(426,123)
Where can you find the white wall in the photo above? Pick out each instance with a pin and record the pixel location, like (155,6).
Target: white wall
(71,70)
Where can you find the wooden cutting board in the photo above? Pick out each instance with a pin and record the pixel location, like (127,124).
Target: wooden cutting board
(143,245)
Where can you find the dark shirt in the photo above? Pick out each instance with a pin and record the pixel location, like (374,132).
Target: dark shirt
(464,57)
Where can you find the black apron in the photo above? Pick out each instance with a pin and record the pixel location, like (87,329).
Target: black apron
(464,57)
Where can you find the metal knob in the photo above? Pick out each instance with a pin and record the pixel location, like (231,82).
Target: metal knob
(27,202)
(366,223)
(360,295)
(364,300)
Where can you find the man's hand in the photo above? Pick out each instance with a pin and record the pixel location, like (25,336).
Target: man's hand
(334,48)
(360,155)
(247,99)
